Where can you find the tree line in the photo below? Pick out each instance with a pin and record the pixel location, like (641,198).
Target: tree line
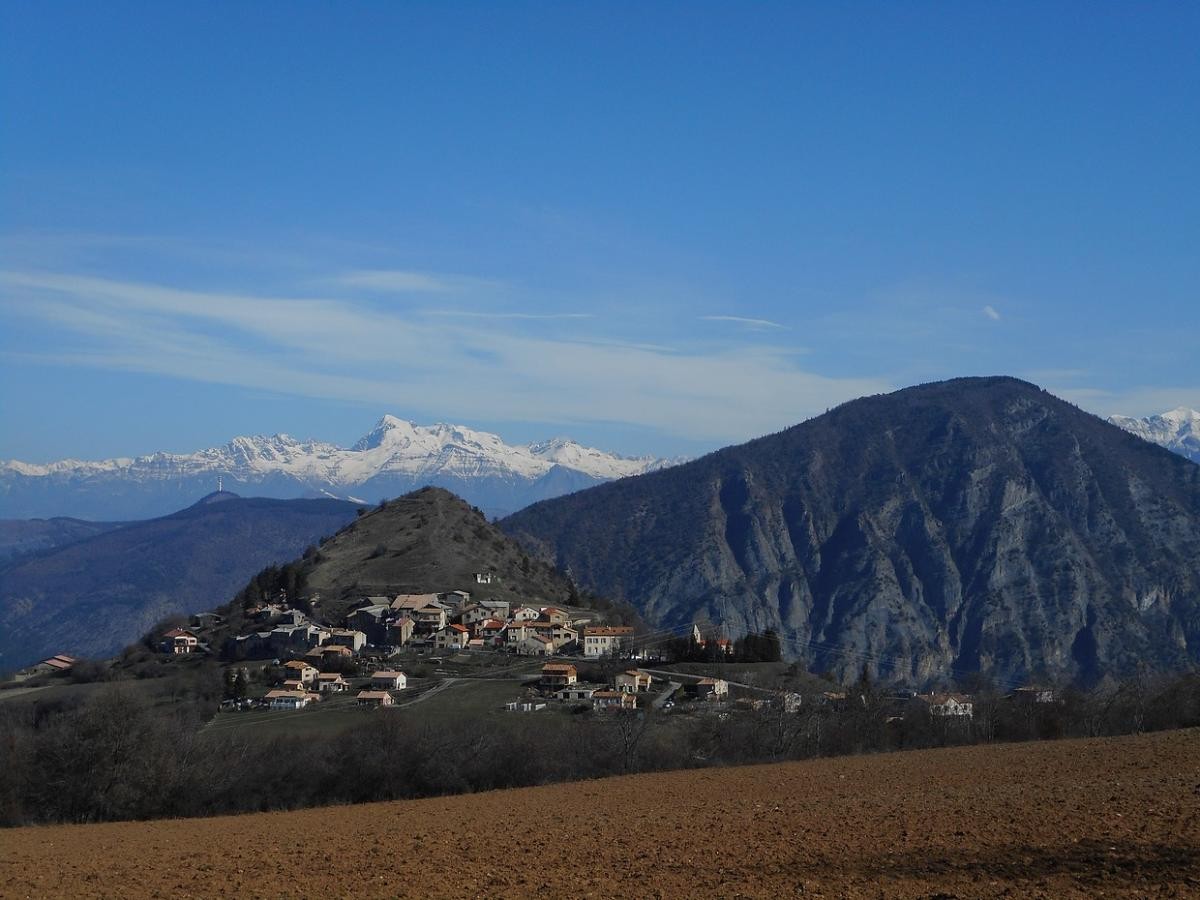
(137,750)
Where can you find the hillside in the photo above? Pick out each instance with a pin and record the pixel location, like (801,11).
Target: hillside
(1118,817)
(93,596)
(21,537)
(974,524)
(429,540)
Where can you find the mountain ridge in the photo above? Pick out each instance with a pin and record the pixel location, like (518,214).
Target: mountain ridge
(394,458)
(974,524)
(1177,430)
(94,595)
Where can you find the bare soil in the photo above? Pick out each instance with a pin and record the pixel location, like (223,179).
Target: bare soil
(1095,818)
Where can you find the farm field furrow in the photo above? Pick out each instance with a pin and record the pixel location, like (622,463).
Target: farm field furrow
(1083,818)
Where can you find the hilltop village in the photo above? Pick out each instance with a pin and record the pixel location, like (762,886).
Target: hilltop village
(399,650)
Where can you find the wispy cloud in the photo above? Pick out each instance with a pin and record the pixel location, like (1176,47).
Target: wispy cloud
(990,312)
(743,320)
(399,281)
(469,314)
(443,366)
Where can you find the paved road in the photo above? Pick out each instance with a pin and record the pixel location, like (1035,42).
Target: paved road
(672,687)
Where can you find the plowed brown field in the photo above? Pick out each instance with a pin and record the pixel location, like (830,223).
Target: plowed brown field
(1110,817)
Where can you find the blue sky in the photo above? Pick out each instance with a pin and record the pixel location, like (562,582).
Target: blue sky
(657,228)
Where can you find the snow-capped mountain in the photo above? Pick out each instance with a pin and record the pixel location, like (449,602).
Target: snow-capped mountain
(1177,430)
(395,457)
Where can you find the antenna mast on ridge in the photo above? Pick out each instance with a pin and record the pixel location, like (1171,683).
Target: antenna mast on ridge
(219,488)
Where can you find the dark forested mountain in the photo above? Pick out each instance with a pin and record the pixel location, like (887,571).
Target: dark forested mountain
(21,537)
(94,595)
(974,524)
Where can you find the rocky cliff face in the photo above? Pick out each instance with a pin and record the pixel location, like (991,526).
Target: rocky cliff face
(975,524)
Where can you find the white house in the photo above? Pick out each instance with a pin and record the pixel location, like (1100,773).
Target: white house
(605,640)
(948,705)
(374,698)
(179,640)
(633,681)
(332,683)
(301,671)
(387,680)
(289,699)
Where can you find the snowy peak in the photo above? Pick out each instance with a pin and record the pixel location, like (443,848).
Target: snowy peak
(565,452)
(388,432)
(394,456)
(1177,430)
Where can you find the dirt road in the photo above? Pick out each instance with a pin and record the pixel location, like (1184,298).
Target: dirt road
(1114,817)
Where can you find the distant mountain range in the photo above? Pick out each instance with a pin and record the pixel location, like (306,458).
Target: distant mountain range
(1177,430)
(395,458)
(94,588)
(979,524)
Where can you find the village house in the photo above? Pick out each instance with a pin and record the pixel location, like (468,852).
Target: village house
(179,641)
(497,608)
(559,675)
(59,663)
(489,630)
(605,640)
(633,681)
(387,680)
(563,635)
(708,689)
(455,599)
(947,705)
(332,683)
(534,645)
(1032,693)
(410,603)
(300,670)
(484,578)
(525,614)
(332,653)
(297,637)
(400,632)
(474,614)
(515,632)
(346,637)
(554,616)
(604,700)
(294,684)
(285,699)
(524,705)
(575,692)
(431,617)
(251,644)
(206,620)
(371,617)
(374,699)
(452,637)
